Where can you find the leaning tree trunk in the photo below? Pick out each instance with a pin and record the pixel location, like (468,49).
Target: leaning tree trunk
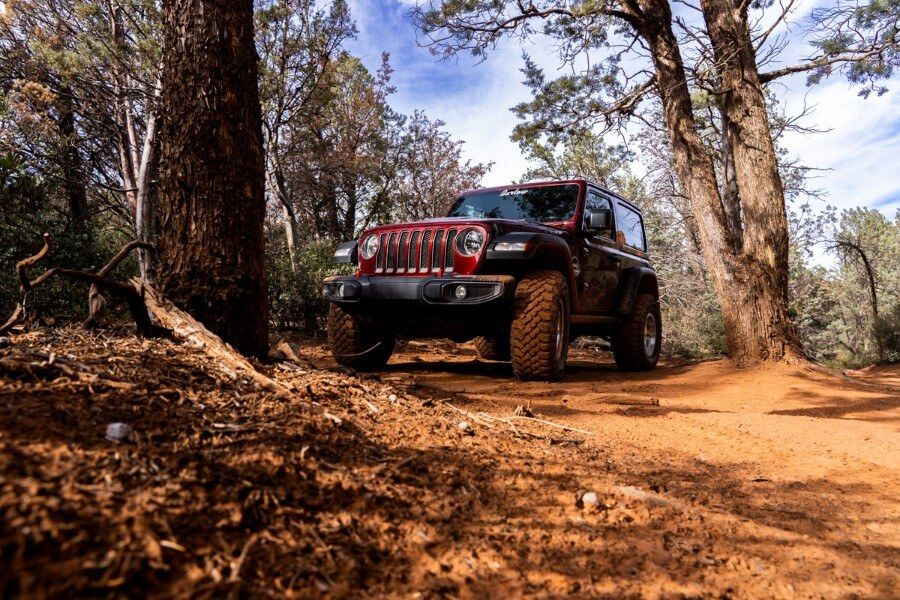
(765,239)
(749,305)
(211,202)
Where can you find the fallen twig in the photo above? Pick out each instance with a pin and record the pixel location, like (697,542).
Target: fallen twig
(14,319)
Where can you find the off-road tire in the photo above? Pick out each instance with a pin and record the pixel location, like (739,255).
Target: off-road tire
(540,297)
(628,342)
(495,347)
(356,344)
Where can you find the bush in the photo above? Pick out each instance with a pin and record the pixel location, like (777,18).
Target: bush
(30,207)
(693,331)
(295,299)
(887,333)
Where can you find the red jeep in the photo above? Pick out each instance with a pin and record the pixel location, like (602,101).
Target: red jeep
(521,269)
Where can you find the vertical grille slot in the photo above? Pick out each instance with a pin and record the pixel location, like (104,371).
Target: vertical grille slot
(423,254)
(448,256)
(414,251)
(379,258)
(436,254)
(402,254)
(391,253)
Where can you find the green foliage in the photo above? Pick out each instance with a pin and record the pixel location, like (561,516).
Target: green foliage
(295,294)
(28,208)
(887,334)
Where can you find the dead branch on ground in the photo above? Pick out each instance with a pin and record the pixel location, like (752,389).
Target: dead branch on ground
(99,281)
(13,320)
(143,301)
(96,301)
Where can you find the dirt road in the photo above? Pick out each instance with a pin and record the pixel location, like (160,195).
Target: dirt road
(693,481)
(798,464)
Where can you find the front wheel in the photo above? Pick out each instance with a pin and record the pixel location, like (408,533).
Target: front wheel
(539,338)
(356,344)
(637,343)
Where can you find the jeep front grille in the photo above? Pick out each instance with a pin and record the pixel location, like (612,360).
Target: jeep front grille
(417,251)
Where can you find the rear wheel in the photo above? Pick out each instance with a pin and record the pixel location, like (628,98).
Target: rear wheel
(637,343)
(539,339)
(495,347)
(356,344)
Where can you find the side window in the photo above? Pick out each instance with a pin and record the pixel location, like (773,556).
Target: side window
(595,202)
(630,224)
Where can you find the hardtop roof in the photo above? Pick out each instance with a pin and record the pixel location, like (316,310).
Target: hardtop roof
(549,182)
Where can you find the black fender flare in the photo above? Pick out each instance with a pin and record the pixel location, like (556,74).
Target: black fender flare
(541,249)
(632,281)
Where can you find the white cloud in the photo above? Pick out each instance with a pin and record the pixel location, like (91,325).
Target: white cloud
(860,150)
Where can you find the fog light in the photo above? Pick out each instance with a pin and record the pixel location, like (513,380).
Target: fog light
(460,292)
(340,290)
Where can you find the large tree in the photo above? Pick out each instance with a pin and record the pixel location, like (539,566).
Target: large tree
(212,204)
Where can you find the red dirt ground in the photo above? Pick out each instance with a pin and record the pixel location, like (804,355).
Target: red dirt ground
(710,482)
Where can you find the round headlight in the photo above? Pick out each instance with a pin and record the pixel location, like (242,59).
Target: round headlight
(369,246)
(470,242)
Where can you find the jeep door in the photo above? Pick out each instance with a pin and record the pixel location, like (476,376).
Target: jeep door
(600,259)
(630,235)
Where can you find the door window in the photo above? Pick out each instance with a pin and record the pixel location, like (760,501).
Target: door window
(629,222)
(594,203)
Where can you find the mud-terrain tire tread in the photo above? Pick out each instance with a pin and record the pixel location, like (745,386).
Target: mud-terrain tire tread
(533,327)
(353,344)
(491,347)
(628,343)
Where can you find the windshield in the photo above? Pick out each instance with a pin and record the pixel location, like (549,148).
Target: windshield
(546,204)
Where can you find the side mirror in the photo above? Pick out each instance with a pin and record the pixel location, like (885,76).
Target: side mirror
(599,219)
(346,253)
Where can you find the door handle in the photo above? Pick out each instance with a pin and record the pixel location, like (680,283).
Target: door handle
(615,258)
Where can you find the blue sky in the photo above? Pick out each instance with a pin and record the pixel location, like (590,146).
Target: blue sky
(859,154)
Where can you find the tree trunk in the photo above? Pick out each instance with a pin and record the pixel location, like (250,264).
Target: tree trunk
(211,203)
(765,231)
(349,225)
(277,187)
(72,166)
(145,223)
(753,309)
(124,120)
(731,197)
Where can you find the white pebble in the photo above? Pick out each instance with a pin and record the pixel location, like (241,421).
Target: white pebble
(466,428)
(118,432)
(590,499)
(392,397)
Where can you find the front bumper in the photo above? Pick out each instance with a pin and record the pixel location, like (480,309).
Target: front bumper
(425,291)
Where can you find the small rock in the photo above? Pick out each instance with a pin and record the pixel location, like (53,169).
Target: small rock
(466,428)
(118,432)
(392,398)
(590,500)
(4,342)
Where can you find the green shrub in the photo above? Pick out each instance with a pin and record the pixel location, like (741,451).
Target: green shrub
(295,298)
(887,333)
(30,207)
